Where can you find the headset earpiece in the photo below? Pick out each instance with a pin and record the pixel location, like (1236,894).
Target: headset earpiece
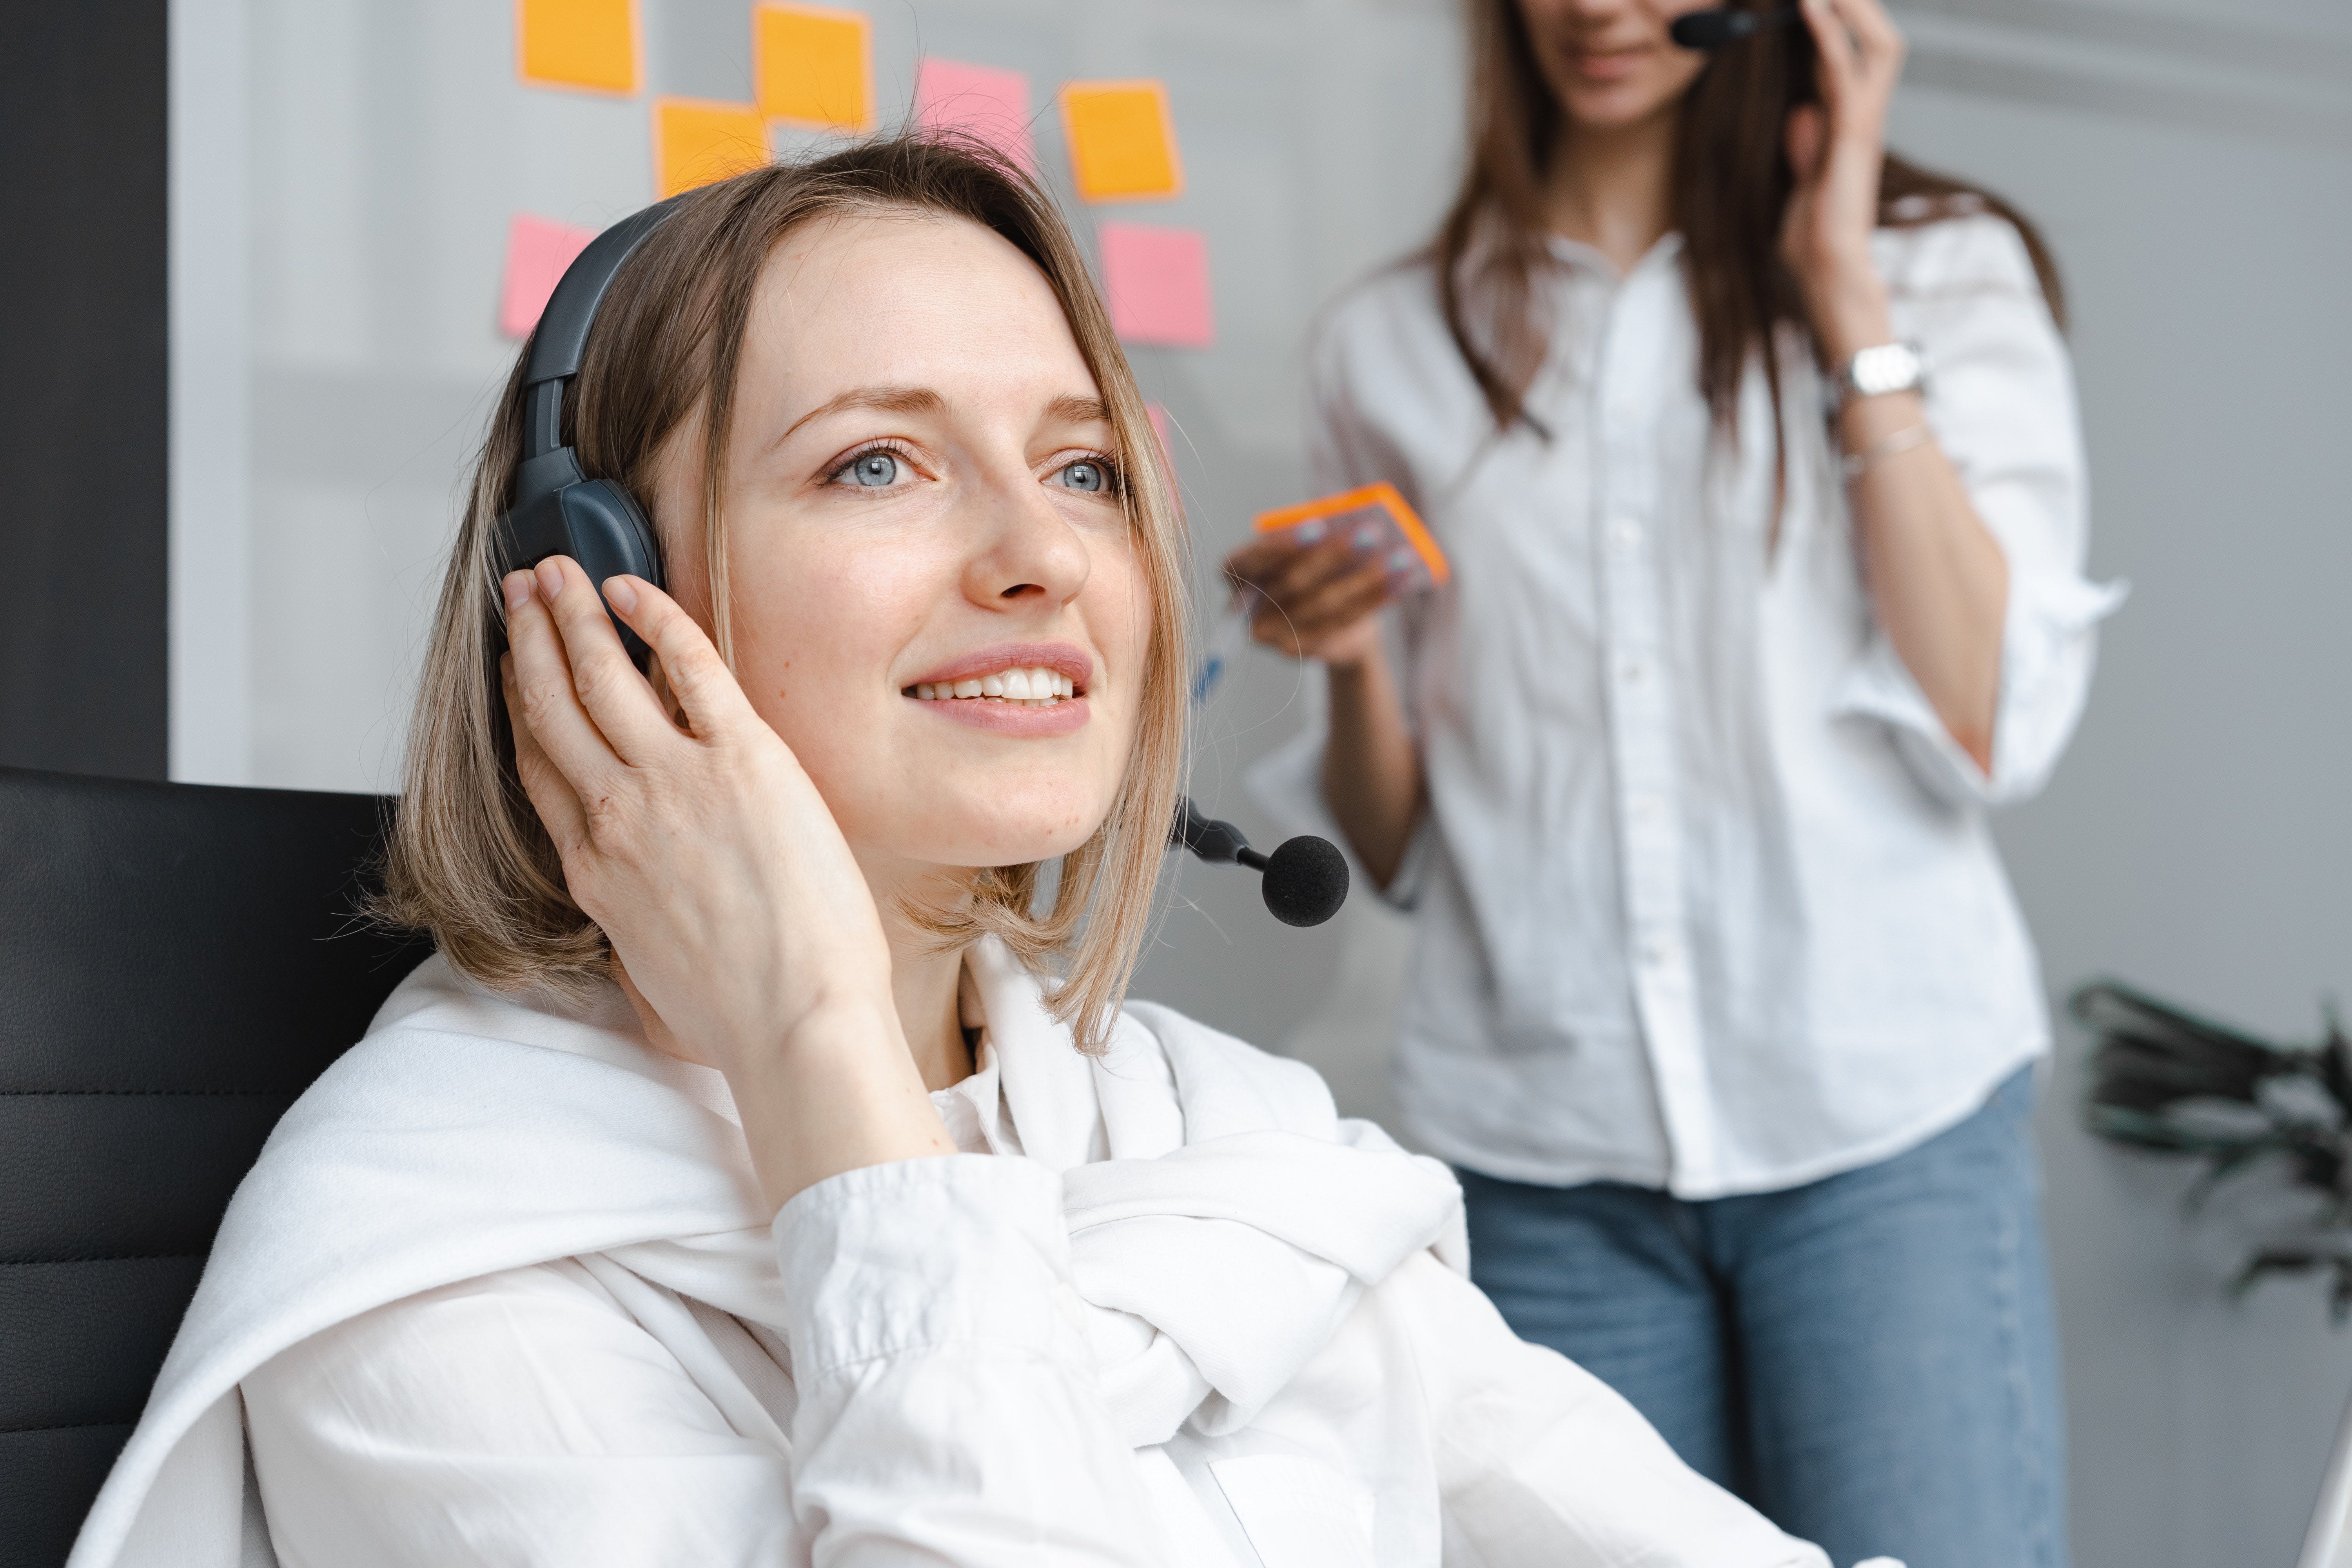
(558,509)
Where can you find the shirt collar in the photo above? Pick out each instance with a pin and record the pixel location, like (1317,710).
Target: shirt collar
(1576,252)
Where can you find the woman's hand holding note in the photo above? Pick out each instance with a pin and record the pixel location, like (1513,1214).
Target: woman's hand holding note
(744,929)
(1316,572)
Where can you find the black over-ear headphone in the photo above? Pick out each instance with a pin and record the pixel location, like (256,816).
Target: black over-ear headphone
(557,510)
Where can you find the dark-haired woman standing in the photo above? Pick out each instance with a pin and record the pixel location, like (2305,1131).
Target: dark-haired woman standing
(1754,449)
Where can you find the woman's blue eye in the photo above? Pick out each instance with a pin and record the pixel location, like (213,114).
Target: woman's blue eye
(874,470)
(1084,475)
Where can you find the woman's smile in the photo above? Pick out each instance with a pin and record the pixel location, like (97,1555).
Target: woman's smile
(1012,689)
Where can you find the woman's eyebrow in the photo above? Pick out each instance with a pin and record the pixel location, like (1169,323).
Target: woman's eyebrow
(888,399)
(1074,410)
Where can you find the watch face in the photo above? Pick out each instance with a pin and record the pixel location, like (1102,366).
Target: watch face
(1889,367)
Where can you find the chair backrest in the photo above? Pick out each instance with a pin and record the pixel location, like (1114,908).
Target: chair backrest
(177,962)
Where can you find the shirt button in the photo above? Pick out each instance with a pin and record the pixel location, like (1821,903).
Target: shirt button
(1631,672)
(1625,533)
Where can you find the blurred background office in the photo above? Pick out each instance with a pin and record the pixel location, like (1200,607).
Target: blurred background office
(249,303)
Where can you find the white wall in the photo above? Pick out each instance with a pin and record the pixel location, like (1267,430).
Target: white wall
(334,358)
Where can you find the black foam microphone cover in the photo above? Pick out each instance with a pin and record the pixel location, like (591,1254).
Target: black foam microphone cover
(1306,882)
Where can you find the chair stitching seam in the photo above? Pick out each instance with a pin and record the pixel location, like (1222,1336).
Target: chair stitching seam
(198,1093)
(61,1426)
(95,1257)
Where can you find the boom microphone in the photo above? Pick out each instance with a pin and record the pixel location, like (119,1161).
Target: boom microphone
(1709,31)
(1305,880)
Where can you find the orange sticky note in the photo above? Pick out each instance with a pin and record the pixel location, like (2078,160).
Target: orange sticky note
(538,250)
(988,105)
(1377,522)
(1156,282)
(578,43)
(697,142)
(1123,141)
(814,66)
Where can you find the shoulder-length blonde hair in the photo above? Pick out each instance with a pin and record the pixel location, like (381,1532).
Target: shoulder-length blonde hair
(469,860)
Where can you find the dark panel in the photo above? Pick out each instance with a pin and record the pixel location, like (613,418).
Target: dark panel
(185,939)
(102,1328)
(87,1175)
(36,1470)
(83,385)
(176,963)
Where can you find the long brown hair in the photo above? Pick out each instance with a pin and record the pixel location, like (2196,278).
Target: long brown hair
(1731,183)
(470,860)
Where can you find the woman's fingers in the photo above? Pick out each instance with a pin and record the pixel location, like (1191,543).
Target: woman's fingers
(1248,563)
(1834,53)
(544,695)
(619,699)
(706,689)
(1309,571)
(1286,625)
(558,806)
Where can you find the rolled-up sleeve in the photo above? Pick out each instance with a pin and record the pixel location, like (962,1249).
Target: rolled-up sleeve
(948,1408)
(942,1406)
(2000,400)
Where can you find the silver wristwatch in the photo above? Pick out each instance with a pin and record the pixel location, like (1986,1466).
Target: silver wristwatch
(1876,371)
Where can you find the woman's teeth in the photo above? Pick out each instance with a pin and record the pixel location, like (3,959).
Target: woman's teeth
(1033,688)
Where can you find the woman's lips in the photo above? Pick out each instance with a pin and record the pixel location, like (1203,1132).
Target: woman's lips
(1064,659)
(999,716)
(1609,65)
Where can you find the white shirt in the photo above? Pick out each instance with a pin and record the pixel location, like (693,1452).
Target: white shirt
(500,1290)
(1706,897)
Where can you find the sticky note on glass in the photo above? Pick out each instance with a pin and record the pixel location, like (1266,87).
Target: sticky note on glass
(814,66)
(578,43)
(696,142)
(988,105)
(1123,141)
(1156,281)
(538,250)
(1377,522)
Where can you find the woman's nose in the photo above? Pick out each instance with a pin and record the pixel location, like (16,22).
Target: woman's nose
(1030,552)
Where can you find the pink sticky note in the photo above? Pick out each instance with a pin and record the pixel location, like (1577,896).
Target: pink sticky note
(1156,281)
(990,106)
(538,250)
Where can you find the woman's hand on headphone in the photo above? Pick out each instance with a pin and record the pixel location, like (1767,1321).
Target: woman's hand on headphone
(1312,601)
(745,927)
(1835,148)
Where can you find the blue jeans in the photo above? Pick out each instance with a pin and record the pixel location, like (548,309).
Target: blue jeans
(1869,1359)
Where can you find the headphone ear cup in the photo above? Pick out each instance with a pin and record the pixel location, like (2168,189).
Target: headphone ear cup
(608,535)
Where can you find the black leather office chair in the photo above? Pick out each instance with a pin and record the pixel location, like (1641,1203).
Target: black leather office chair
(176,963)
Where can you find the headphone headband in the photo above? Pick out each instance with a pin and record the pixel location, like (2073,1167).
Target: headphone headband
(561,338)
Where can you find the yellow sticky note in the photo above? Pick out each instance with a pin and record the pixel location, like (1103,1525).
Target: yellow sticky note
(814,66)
(1123,141)
(697,142)
(578,43)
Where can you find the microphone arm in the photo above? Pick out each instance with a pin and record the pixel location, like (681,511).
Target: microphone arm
(1305,880)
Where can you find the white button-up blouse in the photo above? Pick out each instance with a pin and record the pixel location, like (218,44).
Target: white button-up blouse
(1705,897)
